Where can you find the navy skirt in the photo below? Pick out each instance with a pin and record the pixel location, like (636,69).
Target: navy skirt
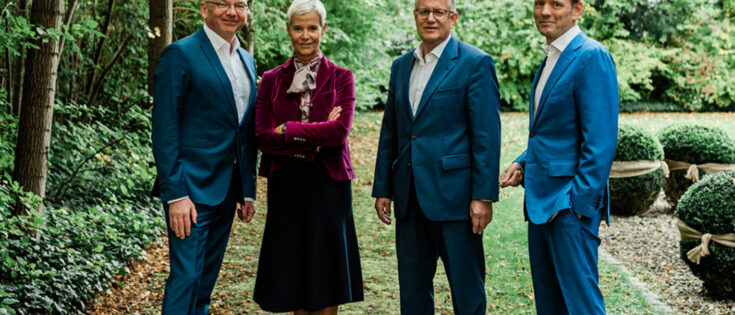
(309,258)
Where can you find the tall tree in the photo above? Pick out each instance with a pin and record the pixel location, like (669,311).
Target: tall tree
(39,88)
(161,25)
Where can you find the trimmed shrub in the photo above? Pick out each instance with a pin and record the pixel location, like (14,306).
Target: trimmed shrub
(634,195)
(695,144)
(709,207)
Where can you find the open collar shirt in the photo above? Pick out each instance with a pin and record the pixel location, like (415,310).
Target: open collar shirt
(552,52)
(422,70)
(234,67)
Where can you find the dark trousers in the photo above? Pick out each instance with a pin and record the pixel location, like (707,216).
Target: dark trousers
(563,256)
(419,242)
(195,261)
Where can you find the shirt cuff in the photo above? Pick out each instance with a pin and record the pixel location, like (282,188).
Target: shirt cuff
(249,199)
(177,199)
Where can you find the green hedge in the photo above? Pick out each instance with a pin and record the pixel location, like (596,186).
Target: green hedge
(694,144)
(634,195)
(709,207)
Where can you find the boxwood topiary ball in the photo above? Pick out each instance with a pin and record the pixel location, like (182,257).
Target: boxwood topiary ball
(694,144)
(634,195)
(709,207)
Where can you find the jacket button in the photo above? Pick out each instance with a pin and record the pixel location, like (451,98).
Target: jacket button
(531,134)
(413,137)
(409,164)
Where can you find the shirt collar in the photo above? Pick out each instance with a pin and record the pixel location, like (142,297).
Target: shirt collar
(437,51)
(220,43)
(563,41)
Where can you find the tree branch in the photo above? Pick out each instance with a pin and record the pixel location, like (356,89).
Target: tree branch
(63,186)
(91,100)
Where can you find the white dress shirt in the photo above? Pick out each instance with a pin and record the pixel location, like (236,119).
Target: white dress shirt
(234,67)
(422,70)
(552,52)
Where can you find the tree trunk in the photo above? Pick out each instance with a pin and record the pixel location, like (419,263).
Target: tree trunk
(39,87)
(161,25)
(18,65)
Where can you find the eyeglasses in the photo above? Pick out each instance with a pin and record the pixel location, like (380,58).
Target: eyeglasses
(439,14)
(239,7)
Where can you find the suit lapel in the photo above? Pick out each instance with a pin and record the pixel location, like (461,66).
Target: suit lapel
(250,69)
(405,67)
(533,92)
(323,74)
(219,70)
(443,67)
(566,59)
(285,77)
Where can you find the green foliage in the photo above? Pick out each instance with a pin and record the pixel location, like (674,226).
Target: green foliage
(634,195)
(75,255)
(708,206)
(694,144)
(640,68)
(94,221)
(505,30)
(96,162)
(8,133)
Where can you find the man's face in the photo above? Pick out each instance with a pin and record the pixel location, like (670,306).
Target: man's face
(431,29)
(224,17)
(555,17)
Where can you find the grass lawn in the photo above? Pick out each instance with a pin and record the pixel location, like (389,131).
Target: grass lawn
(508,280)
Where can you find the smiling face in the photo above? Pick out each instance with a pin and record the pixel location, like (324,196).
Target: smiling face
(305,31)
(434,31)
(225,22)
(555,17)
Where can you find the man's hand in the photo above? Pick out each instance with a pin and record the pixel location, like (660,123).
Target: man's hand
(481,213)
(246,211)
(334,114)
(180,216)
(512,176)
(382,206)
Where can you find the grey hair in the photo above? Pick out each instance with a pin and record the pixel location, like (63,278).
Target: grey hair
(452,5)
(299,7)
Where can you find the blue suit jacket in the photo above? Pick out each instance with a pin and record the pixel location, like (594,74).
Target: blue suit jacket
(451,146)
(196,133)
(572,139)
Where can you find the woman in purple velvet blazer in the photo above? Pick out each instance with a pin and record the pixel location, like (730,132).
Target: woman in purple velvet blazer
(309,260)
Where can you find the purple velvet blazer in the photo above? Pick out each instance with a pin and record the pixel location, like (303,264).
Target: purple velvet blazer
(334,87)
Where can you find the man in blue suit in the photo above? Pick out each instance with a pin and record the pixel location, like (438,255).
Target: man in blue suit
(438,161)
(204,146)
(565,168)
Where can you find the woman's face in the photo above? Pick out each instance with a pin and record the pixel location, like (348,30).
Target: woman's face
(305,32)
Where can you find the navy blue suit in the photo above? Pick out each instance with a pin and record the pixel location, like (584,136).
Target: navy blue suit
(432,164)
(204,152)
(571,147)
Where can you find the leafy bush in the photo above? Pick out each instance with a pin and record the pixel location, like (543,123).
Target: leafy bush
(634,195)
(709,207)
(694,144)
(75,254)
(97,217)
(8,133)
(98,157)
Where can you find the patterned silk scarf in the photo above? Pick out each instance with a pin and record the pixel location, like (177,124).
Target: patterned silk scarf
(304,83)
